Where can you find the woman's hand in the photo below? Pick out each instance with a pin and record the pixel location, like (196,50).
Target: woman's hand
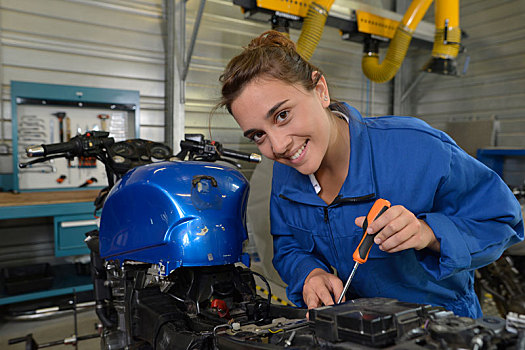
(321,288)
(401,230)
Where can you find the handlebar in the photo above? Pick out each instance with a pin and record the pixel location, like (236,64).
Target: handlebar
(122,156)
(81,145)
(212,150)
(248,157)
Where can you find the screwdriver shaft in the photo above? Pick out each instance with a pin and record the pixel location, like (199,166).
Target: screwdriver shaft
(347,284)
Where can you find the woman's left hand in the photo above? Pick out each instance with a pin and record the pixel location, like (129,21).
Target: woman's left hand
(400,230)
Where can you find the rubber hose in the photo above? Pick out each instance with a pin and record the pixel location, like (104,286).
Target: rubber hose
(450,50)
(313,26)
(381,73)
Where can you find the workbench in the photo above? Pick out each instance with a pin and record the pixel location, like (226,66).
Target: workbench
(72,213)
(49,203)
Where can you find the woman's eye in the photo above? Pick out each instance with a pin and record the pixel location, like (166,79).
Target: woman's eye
(257,136)
(281,116)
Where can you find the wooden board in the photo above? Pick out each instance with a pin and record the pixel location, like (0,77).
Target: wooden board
(40,198)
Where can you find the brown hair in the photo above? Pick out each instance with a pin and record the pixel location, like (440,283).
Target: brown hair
(271,54)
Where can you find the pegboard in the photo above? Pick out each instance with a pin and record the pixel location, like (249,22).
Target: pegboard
(44,114)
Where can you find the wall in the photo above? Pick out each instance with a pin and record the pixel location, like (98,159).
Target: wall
(494,84)
(109,44)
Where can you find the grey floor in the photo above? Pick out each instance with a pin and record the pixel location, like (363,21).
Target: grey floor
(50,330)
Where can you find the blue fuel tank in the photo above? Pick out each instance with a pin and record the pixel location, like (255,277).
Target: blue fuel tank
(176,214)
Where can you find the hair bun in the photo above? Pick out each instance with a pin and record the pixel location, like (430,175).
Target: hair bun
(271,38)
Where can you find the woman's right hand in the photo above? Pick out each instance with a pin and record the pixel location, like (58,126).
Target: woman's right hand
(321,288)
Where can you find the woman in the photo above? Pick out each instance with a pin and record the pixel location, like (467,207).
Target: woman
(450,214)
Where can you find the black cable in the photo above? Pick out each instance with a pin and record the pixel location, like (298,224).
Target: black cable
(267,286)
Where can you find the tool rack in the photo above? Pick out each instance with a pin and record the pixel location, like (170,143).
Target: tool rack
(49,113)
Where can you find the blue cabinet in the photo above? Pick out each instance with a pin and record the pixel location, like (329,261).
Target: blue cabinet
(70,233)
(72,214)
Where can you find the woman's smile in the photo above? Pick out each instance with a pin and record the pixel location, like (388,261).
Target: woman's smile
(298,156)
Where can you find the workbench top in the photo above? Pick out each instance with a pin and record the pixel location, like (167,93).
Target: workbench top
(8,199)
(26,199)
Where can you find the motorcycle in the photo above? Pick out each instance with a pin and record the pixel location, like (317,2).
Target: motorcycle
(166,264)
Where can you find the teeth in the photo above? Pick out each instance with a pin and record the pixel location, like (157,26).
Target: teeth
(298,153)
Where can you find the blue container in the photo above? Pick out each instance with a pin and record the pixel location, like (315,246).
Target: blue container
(176,214)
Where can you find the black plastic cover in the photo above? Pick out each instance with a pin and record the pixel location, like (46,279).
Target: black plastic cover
(373,322)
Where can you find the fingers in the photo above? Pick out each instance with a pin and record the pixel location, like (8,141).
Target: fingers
(393,221)
(417,235)
(404,239)
(317,294)
(337,288)
(360,220)
(399,229)
(320,288)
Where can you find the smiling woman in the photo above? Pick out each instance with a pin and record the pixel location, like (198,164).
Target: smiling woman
(449,215)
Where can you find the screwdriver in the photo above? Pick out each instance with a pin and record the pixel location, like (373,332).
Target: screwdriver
(363,249)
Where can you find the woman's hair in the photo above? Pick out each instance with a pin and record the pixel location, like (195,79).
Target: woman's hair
(271,55)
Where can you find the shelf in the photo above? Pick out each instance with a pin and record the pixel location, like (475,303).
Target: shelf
(66,281)
(495,157)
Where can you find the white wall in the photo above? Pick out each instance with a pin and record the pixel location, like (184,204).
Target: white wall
(109,44)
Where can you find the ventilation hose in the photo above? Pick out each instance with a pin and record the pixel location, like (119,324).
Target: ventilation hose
(447,20)
(381,73)
(313,26)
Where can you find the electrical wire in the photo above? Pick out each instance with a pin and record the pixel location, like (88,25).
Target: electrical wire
(267,286)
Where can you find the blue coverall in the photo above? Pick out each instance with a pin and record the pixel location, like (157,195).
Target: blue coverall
(472,212)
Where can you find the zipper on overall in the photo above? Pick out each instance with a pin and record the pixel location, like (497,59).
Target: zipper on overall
(337,201)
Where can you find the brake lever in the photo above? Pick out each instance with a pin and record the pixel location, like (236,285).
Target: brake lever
(41,160)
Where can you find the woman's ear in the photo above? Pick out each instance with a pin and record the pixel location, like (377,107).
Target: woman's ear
(321,89)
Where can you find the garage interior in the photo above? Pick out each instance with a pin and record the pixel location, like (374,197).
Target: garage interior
(149,69)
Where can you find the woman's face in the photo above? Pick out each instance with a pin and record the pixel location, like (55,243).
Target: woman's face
(288,123)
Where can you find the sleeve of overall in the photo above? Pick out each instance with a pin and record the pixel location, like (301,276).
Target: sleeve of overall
(475,217)
(293,262)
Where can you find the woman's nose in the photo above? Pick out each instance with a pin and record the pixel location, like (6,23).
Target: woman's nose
(281,144)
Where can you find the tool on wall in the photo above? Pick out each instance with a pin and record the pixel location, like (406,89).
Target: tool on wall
(61,179)
(68,128)
(31,130)
(60,116)
(103,123)
(363,249)
(52,130)
(89,182)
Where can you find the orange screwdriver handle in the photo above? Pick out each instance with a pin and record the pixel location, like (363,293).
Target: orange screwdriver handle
(363,249)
